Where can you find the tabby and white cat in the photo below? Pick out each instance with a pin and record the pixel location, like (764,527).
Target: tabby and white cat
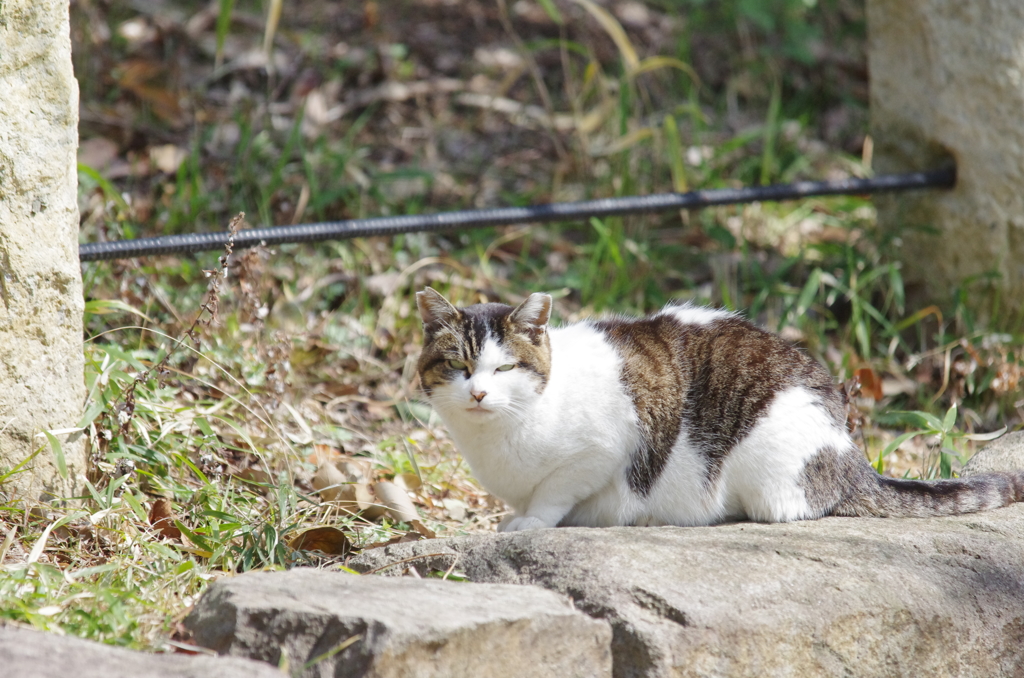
(690,416)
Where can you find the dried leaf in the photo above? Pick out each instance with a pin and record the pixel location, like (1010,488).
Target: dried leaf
(137,76)
(329,540)
(351,470)
(137,31)
(870,383)
(322,454)
(408,481)
(8,540)
(422,529)
(351,496)
(254,475)
(328,392)
(984,437)
(167,158)
(456,508)
(37,549)
(397,501)
(365,502)
(329,481)
(161,517)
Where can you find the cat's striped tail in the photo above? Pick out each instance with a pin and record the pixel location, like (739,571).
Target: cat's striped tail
(876,495)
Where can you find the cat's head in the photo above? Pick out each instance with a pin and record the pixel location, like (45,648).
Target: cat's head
(486,360)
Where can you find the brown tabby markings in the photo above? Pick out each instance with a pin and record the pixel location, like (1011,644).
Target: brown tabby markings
(715,379)
(819,478)
(652,350)
(462,337)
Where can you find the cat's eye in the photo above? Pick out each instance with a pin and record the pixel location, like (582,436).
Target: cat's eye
(506,368)
(456,364)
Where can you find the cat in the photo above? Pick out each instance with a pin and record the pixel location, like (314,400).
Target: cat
(689,416)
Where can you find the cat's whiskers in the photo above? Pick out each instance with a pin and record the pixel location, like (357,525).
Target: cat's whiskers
(452,401)
(515,411)
(456,404)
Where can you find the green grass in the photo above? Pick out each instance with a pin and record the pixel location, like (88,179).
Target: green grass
(310,348)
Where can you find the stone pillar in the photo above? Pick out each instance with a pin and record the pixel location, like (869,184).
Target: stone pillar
(41,304)
(947,84)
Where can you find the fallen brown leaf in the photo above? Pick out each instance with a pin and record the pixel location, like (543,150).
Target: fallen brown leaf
(254,475)
(161,517)
(408,481)
(322,454)
(351,496)
(397,502)
(138,76)
(870,382)
(422,529)
(329,540)
(167,158)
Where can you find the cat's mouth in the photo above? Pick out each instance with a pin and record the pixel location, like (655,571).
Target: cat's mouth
(479,409)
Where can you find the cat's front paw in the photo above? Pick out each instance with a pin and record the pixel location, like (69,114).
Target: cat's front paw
(523,523)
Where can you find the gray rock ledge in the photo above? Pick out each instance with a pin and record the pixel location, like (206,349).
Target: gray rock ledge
(1005,453)
(25,653)
(833,597)
(399,627)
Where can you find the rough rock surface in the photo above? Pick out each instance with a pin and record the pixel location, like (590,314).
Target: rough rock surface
(832,597)
(41,304)
(34,654)
(947,83)
(1002,454)
(399,627)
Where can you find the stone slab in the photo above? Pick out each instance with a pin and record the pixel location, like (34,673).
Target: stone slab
(833,597)
(399,627)
(33,654)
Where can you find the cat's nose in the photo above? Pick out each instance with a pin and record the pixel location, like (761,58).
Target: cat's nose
(478,395)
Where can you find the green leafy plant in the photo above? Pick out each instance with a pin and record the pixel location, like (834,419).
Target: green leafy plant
(944,430)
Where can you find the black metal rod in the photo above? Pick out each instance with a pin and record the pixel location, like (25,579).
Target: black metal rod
(504,216)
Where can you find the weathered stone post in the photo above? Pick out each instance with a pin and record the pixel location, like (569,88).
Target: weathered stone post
(41,305)
(947,84)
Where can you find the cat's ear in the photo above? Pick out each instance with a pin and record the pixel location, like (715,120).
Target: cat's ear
(433,307)
(533,312)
